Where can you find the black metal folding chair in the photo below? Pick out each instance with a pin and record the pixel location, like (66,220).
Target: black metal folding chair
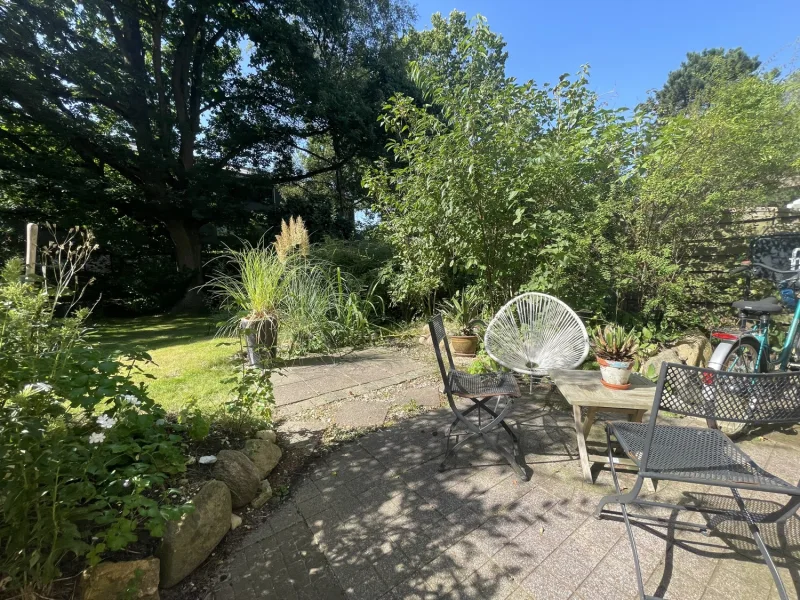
(705,456)
(480,389)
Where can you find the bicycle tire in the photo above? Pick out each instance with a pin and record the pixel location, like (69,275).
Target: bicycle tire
(732,429)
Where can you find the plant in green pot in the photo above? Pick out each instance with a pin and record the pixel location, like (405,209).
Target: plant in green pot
(252,284)
(615,349)
(462,312)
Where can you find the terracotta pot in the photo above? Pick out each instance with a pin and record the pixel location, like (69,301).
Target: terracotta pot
(260,336)
(615,374)
(464,345)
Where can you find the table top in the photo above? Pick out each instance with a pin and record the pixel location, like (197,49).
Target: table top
(583,388)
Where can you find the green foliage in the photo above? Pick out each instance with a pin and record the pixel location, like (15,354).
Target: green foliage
(463,310)
(192,418)
(318,307)
(491,181)
(483,363)
(516,187)
(252,282)
(253,400)
(86,453)
(361,258)
(730,152)
(166,117)
(327,309)
(700,71)
(615,343)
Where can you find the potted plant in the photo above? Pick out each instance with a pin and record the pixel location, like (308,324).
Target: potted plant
(462,311)
(615,349)
(252,285)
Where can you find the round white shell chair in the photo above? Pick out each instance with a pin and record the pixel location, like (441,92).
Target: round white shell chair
(536,332)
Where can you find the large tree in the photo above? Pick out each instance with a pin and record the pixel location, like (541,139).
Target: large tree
(700,71)
(181,113)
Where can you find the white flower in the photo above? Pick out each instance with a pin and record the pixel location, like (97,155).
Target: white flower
(131,399)
(97,438)
(35,388)
(106,422)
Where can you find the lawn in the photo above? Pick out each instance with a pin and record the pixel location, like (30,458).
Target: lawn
(188,361)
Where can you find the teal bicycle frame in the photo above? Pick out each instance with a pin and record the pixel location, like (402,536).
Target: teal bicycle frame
(760,332)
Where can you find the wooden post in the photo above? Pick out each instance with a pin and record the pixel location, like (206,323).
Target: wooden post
(32,232)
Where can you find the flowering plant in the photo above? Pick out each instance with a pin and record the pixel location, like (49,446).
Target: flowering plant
(86,454)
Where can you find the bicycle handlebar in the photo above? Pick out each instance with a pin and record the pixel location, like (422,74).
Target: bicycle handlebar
(768,268)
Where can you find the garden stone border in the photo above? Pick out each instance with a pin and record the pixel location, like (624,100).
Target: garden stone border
(207,518)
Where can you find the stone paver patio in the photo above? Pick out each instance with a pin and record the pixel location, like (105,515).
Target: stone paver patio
(313,382)
(376,519)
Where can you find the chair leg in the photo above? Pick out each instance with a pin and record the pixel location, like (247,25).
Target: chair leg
(618,498)
(623,500)
(481,430)
(762,547)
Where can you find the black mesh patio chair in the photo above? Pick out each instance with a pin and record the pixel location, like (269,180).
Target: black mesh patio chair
(480,389)
(705,456)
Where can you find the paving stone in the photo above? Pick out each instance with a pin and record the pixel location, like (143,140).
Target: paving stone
(295,392)
(546,584)
(356,413)
(377,519)
(423,396)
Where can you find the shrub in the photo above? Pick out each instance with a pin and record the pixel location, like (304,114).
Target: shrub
(253,400)
(318,306)
(490,181)
(86,453)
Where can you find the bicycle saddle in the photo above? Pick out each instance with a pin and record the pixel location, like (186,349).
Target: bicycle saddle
(767,306)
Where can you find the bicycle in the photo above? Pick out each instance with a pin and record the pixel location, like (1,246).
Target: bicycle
(747,349)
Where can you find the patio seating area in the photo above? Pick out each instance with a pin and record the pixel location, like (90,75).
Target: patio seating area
(377,519)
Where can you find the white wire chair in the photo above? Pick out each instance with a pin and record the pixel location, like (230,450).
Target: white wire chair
(534,333)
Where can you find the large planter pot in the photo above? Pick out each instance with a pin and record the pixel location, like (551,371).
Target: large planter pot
(260,337)
(464,345)
(615,374)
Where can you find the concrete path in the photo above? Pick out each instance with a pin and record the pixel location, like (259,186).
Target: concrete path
(376,519)
(306,384)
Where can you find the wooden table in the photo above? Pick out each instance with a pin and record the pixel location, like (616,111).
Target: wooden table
(582,389)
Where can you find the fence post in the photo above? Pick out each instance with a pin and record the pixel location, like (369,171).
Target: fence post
(32,234)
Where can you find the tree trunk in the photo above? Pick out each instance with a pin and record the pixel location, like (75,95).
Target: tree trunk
(185,234)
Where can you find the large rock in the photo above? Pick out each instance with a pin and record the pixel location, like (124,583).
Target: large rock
(652,367)
(240,475)
(264,455)
(188,542)
(263,496)
(134,579)
(266,434)
(694,349)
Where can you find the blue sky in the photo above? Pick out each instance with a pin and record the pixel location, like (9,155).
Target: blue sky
(631,46)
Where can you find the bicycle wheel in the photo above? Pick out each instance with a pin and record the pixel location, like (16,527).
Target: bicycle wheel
(741,359)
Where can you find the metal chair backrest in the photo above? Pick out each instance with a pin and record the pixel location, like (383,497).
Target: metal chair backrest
(439,339)
(535,332)
(754,398)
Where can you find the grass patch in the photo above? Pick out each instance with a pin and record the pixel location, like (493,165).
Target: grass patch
(189,363)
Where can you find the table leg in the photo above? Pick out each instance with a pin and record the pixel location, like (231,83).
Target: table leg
(580,427)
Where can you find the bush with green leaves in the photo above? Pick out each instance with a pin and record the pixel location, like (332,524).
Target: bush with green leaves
(491,181)
(252,401)
(86,454)
(514,187)
(318,306)
(734,148)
